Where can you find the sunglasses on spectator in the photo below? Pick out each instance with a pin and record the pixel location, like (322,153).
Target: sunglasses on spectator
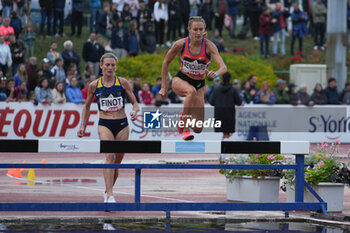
(3,78)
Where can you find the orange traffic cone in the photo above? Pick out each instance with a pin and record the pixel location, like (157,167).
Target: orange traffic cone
(17,173)
(24,169)
(10,172)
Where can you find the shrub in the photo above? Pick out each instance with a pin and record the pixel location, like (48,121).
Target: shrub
(149,67)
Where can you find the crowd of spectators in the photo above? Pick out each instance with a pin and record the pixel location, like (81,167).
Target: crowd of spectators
(123,27)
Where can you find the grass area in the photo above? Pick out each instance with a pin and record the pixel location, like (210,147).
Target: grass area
(248,46)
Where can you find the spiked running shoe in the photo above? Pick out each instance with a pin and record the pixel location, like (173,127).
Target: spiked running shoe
(187,136)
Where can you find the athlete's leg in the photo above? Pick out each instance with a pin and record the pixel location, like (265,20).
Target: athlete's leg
(184,89)
(108,174)
(197,110)
(122,135)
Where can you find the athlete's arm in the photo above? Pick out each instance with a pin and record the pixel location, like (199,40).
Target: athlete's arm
(86,108)
(131,97)
(212,51)
(171,54)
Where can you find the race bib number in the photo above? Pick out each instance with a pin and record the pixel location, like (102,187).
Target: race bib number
(111,103)
(194,67)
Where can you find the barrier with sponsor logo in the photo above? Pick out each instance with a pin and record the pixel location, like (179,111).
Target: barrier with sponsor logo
(284,122)
(299,148)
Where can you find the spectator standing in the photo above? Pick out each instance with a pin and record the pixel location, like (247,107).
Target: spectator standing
(194,5)
(99,45)
(90,52)
(233,12)
(52,54)
(120,4)
(280,93)
(18,52)
(21,75)
(31,68)
(220,8)
(70,56)
(144,16)
(115,13)
(206,11)
(332,92)
(265,21)
(272,3)
(6,7)
(58,71)
(145,95)
(6,30)
(160,12)
(73,93)
(279,15)
(58,12)
(29,41)
(16,23)
(106,21)
(5,56)
(131,40)
(345,95)
(224,99)
(319,96)
(126,16)
(185,13)
(255,8)
(319,12)
(43,92)
(265,95)
(117,41)
(95,7)
(77,17)
(134,8)
(299,29)
(174,21)
(46,14)
(148,41)
(58,96)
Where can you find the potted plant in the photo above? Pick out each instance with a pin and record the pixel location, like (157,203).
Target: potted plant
(253,185)
(326,174)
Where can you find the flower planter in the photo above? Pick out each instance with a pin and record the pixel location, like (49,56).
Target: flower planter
(331,193)
(248,189)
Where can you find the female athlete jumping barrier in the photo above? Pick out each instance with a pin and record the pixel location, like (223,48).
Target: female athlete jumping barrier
(196,52)
(110,91)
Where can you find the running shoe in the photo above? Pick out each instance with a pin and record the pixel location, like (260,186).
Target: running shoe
(180,129)
(187,136)
(105,197)
(110,199)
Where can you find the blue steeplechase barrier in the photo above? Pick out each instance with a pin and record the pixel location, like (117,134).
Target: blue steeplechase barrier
(297,148)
